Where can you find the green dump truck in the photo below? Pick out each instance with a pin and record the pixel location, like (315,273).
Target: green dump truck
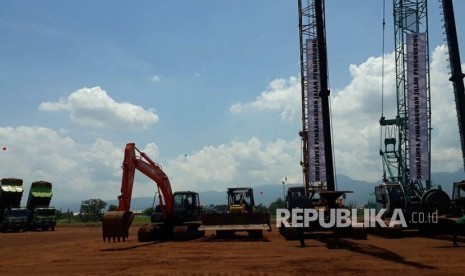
(12,216)
(41,214)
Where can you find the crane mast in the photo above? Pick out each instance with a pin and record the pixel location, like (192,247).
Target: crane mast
(406,152)
(458,190)
(406,147)
(317,152)
(317,164)
(456,69)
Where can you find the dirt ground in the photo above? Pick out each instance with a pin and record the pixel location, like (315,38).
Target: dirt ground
(81,251)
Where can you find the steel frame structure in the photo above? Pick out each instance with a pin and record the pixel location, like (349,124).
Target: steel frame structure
(410,16)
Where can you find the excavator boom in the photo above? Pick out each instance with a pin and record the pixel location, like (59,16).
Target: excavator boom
(115,224)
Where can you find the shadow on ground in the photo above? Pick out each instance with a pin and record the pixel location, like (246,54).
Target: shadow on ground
(371,250)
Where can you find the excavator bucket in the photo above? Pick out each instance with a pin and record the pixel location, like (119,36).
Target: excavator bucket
(115,225)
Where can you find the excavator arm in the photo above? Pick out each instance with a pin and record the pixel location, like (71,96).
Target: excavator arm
(115,224)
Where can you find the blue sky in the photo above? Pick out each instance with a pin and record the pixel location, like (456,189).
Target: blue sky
(209,89)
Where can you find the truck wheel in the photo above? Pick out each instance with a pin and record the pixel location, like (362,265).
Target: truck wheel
(53,227)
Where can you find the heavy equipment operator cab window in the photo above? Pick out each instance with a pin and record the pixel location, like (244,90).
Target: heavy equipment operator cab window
(178,203)
(239,199)
(243,200)
(187,201)
(185,204)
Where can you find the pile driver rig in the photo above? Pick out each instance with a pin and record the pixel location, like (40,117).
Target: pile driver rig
(405,146)
(319,189)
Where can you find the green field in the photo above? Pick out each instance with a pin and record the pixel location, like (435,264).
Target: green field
(138,220)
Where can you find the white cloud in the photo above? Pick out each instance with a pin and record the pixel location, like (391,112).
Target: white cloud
(38,153)
(84,171)
(281,94)
(77,171)
(237,163)
(356,110)
(446,153)
(155,79)
(93,107)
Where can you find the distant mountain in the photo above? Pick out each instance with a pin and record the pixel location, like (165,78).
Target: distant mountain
(265,194)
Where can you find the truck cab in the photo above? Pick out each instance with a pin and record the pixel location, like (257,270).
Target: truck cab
(14,219)
(12,216)
(42,218)
(41,214)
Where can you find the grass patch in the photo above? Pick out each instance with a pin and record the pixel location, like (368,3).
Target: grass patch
(76,222)
(141,219)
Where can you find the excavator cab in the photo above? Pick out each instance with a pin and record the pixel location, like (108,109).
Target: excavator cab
(186,205)
(296,198)
(181,224)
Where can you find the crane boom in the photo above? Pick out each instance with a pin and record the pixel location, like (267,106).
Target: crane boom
(456,69)
(317,153)
(324,91)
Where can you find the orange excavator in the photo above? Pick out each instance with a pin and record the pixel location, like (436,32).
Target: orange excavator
(176,217)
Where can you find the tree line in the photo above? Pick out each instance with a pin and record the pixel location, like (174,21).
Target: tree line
(92,210)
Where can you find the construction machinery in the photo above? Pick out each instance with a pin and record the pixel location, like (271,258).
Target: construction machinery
(241,216)
(41,214)
(319,191)
(405,144)
(458,192)
(296,197)
(458,198)
(12,216)
(177,215)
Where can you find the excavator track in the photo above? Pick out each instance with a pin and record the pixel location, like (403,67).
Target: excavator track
(163,232)
(187,231)
(154,232)
(115,225)
(146,233)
